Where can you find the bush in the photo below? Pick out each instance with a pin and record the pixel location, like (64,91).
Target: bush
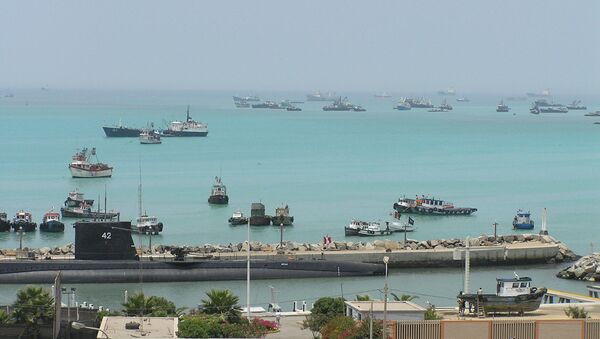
(324,309)
(575,312)
(4,318)
(34,306)
(431,314)
(213,326)
(339,327)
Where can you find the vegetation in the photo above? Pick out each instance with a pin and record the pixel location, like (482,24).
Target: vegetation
(347,328)
(4,318)
(34,306)
(404,297)
(431,314)
(213,326)
(575,312)
(363,297)
(152,306)
(223,303)
(324,310)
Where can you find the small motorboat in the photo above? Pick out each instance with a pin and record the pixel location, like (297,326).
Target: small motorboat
(23,221)
(4,223)
(150,137)
(512,295)
(522,221)
(365,229)
(238,218)
(218,195)
(51,223)
(148,224)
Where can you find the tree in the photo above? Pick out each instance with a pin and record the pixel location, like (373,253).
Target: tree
(363,297)
(223,303)
(404,297)
(4,318)
(339,327)
(324,309)
(152,306)
(431,314)
(34,306)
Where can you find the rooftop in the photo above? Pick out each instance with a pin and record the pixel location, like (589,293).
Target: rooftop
(152,327)
(392,306)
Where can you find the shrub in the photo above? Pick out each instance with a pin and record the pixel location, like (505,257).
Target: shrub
(4,318)
(431,314)
(324,309)
(34,306)
(213,326)
(575,312)
(339,327)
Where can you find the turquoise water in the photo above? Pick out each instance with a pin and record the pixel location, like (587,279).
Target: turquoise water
(329,167)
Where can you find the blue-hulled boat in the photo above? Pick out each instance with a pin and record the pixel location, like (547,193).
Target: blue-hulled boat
(522,221)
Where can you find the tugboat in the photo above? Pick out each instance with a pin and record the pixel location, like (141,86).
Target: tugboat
(445,106)
(82,168)
(402,105)
(4,223)
(522,221)
(150,137)
(218,195)
(502,107)
(238,218)
(425,205)
(257,215)
(51,223)
(187,128)
(121,131)
(512,295)
(576,105)
(23,220)
(282,216)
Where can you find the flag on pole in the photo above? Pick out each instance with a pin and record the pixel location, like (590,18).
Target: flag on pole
(411,221)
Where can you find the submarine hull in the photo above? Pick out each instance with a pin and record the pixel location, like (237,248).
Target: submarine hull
(127,271)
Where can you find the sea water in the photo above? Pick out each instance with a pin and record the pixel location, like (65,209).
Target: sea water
(329,167)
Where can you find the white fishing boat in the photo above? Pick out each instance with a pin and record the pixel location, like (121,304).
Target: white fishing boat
(144,223)
(149,137)
(82,167)
(187,128)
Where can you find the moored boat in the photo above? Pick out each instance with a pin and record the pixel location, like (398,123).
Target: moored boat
(576,105)
(150,137)
(257,215)
(75,198)
(238,218)
(513,295)
(4,223)
(187,128)
(282,216)
(552,108)
(23,221)
(445,105)
(437,109)
(463,99)
(218,194)
(269,105)
(502,107)
(356,226)
(292,108)
(318,96)
(426,205)
(419,102)
(593,114)
(86,212)
(51,223)
(81,167)
(522,221)
(147,224)
(121,131)
(402,105)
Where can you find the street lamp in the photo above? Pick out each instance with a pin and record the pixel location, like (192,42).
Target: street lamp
(70,296)
(386,259)
(78,326)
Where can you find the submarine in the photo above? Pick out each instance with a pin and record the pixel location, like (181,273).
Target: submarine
(105,253)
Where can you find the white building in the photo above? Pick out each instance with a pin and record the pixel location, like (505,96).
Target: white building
(396,310)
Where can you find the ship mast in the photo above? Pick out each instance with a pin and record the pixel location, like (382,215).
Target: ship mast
(140,191)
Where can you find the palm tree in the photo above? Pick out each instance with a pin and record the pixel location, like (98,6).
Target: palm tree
(363,297)
(33,307)
(137,304)
(224,303)
(404,297)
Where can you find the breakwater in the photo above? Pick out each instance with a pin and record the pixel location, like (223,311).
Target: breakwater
(587,268)
(485,250)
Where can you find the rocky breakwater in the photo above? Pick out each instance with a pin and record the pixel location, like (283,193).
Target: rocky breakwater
(42,252)
(587,268)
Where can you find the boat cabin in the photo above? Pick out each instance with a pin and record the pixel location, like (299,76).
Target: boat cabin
(219,188)
(23,216)
(506,287)
(432,202)
(257,210)
(3,217)
(146,220)
(51,216)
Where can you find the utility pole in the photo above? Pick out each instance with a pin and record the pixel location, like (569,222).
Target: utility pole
(385,297)
(495,224)
(371,321)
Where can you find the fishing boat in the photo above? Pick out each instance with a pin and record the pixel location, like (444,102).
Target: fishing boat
(522,221)
(145,224)
(463,99)
(121,131)
(502,107)
(445,106)
(82,167)
(51,223)
(218,194)
(85,211)
(150,137)
(593,114)
(23,221)
(238,218)
(187,128)
(75,198)
(257,215)
(339,105)
(4,223)
(513,295)
(552,108)
(318,96)
(402,105)
(419,102)
(425,205)
(576,105)
(282,216)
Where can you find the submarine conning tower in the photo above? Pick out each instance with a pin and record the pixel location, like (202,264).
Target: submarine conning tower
(104,240)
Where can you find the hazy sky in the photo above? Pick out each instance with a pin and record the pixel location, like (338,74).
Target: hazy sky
(476,46)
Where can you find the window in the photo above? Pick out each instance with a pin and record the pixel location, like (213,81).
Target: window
(515,285)
(523,284)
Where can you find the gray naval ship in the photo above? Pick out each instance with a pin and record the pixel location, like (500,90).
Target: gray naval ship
(105,253)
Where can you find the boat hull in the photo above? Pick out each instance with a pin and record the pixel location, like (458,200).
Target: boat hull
(238,221)
(523,226)
(130,271)
(281,219)
(171,133)
(218,200)
(121,132)
(27,226)
(52,226)
(499,304)
(150,229)
(4,226)
(434,211)
(80,173)
(260,220)
(70,213)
